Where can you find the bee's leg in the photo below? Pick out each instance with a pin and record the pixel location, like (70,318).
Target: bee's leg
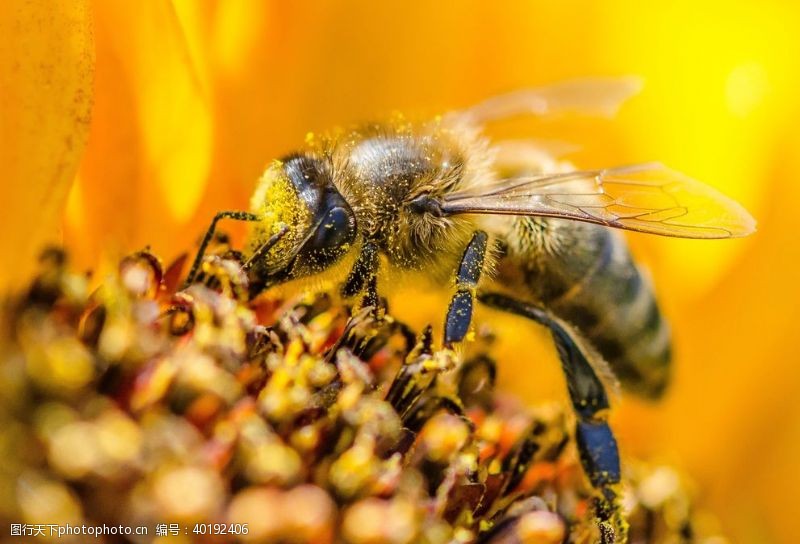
(238,216)
(596,443)
(364,276)
(459,313)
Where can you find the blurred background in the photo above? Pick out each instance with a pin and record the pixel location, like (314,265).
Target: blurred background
(129,124)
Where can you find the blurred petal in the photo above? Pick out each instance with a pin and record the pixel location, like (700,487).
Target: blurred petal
(716,89)
(46,69)
(175,119)
(150,149)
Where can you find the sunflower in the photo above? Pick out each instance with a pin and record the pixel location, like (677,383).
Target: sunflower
(194,415)
(128,125)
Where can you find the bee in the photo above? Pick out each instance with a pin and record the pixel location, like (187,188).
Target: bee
(498,222)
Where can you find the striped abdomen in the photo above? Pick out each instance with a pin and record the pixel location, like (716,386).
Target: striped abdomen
(584,274)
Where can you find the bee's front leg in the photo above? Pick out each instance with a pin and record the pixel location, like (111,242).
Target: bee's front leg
(459,313)
(363,279)
(364,276)
(596,442)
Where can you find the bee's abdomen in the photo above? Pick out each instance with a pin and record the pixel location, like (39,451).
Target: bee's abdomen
(586,276)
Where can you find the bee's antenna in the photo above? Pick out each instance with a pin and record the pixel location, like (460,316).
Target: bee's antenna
(238,216)
(265,247)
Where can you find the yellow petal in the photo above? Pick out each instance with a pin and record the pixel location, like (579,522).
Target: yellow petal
(173,105)
(150,148)
(46,70)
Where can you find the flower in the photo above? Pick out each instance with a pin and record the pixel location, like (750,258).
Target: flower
(136,405)
(189,101)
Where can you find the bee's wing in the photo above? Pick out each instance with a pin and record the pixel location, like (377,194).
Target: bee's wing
(644,197)
(597,96)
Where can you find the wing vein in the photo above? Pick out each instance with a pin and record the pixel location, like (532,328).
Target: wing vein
(644,197)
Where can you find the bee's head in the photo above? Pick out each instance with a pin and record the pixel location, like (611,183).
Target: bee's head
(297,195)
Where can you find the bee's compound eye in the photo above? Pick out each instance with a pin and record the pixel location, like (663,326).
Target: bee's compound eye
(335,230)
(309,175)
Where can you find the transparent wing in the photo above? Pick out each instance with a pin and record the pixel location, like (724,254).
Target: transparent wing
(644,197)
(597,96)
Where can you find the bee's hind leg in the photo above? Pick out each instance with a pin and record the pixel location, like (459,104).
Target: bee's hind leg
(459,313)
(596,443)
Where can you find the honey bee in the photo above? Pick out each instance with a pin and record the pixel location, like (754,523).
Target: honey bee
(503,223)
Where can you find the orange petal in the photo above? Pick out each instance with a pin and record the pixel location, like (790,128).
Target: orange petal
(46,73)
(150,147)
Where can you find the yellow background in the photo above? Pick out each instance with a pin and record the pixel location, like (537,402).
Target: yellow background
(190,100)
